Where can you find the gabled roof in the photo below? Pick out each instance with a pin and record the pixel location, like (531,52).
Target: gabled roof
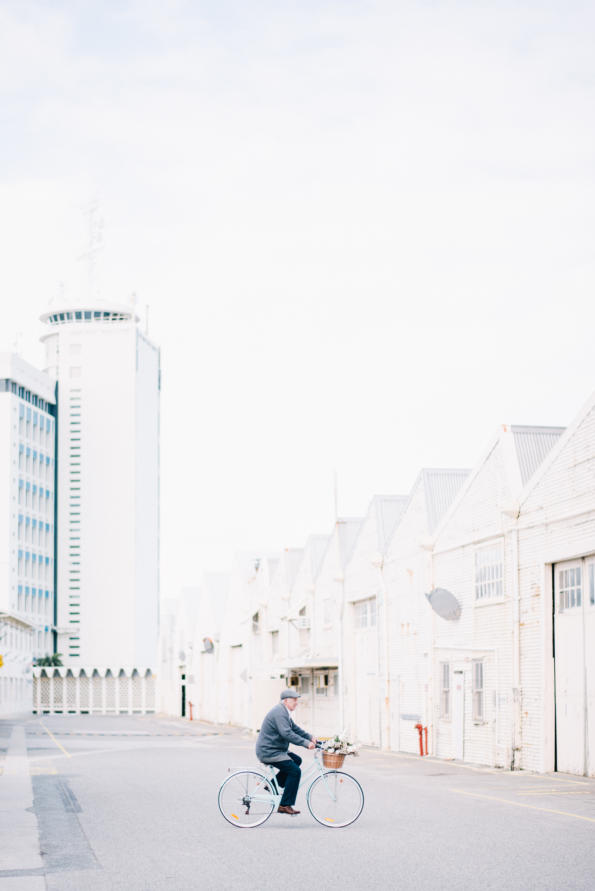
(348,530)
(273,563)
(292,558)
(316,548)
(560,444)
(440,489)
(532,444)
(216,586)
(389,510)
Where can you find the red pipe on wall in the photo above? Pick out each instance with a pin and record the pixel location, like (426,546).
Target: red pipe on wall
(426,739)
(419,729)
(190,707)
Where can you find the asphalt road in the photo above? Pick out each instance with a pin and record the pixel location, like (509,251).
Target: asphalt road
(130,803)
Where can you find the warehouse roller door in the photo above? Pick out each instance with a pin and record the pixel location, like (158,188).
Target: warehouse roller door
(574,655)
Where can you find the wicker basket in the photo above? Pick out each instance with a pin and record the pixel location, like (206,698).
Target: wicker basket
(332,760)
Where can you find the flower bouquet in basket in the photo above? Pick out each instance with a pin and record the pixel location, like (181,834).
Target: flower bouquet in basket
(334,750)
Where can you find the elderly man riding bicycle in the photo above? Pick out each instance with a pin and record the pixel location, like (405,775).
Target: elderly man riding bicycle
(278,730)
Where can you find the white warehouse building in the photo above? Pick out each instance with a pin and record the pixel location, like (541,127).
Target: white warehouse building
(108,396)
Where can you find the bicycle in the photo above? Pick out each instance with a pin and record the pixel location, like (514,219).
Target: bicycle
(248,797)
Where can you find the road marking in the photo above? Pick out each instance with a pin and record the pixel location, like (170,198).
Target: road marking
(532,807)
(556,792)
(52,737)
(548,778)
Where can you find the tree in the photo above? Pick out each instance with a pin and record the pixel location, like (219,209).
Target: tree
(55,659)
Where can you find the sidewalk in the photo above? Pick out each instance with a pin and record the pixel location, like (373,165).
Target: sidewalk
(21,866)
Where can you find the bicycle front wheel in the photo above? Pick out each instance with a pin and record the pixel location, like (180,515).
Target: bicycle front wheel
(245,799)
(335,799)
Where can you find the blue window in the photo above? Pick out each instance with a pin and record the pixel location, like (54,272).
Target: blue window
(47,594)
(21,448)
(21,410)
(20,518)
(35,418)
(27,521)
(21,484)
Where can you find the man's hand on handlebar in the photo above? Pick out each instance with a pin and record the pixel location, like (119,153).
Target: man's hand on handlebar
(313,743)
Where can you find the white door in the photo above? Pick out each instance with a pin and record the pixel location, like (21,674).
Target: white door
(574,627)
(395,709)
(238,687)
(590,664)
(458,714)
(367,707)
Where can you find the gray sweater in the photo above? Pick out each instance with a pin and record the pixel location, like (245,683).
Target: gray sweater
(276,732)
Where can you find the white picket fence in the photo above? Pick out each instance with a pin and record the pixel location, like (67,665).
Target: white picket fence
(93,691)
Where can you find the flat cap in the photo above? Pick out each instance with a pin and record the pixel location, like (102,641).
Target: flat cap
(289,693)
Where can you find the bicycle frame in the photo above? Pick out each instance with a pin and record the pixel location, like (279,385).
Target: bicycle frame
(315,768)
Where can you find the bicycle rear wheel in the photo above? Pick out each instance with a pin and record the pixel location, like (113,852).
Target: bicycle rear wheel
(245,799)
(335,799)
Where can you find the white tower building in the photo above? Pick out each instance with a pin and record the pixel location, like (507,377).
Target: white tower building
(108,383)
(27,438)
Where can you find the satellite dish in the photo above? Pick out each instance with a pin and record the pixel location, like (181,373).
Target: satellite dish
(444,604)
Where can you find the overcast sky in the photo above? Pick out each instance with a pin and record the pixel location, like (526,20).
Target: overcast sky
(365,231)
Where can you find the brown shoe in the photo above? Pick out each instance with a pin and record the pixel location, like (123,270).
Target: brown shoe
(286,809)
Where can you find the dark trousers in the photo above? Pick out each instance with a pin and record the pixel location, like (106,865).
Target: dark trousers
(289,776)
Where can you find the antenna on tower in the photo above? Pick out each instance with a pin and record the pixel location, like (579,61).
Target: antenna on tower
(95,226)
(336,494)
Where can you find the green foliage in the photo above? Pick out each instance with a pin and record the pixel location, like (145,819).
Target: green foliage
(54,660)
